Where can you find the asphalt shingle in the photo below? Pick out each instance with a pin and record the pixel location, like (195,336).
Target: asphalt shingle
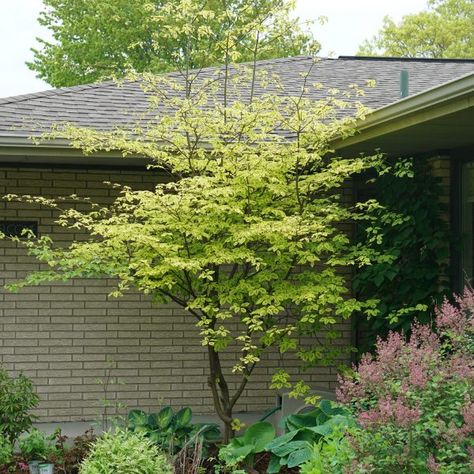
(105,105)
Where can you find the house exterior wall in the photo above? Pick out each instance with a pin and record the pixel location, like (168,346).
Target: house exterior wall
(70,337)
(441,168)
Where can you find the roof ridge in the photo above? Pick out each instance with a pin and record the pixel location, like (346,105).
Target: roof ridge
(111,82)
(260,62)
(404,59)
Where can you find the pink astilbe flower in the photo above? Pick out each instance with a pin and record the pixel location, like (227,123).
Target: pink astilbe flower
(381,414)
(461,366)
(390,411)
(389,351)
(468,418)
(417,374)
(471,457)
(348,390)
(404,415)
(370,371)
(423,341)
(456,319)
(432,465)
(466,303)
(407,381)
(422,356)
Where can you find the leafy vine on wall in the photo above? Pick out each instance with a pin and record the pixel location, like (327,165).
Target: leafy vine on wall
(418,240)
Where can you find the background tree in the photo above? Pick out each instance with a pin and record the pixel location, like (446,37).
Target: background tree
(444,30)
(108,38)
(251,235)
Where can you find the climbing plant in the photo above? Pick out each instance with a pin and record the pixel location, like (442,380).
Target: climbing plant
(411,229)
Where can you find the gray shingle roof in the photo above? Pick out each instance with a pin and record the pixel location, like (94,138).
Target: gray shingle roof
(104,105)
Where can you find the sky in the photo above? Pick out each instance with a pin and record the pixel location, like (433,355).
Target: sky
(349,23)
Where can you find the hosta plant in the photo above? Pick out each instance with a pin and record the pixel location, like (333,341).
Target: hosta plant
(414,401)
(170,430)
(242,449)
(302,431)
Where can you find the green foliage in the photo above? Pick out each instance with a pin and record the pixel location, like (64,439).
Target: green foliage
(108,38)
(330,455)
(248,236)
(17,398)
(125,453)
(171,431)
(242,449)
(414,400)
(303,431)
(36,445)
(6,451)
(240,236)
(409,229)
(445,30)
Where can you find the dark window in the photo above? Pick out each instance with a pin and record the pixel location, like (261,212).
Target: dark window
(15,228)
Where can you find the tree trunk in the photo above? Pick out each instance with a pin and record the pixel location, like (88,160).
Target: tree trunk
(220,393)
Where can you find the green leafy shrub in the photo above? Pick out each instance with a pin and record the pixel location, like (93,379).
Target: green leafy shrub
(124,452)
(170,431)
(38,446)
(242,449)
(6,451)
(414,401)
(331,455)
(302,431)
(17,398)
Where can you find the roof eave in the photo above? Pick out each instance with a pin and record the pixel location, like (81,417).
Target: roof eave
(22,150)
(438,101)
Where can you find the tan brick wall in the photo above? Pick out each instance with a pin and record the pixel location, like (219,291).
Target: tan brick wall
(441,169)
(62,335)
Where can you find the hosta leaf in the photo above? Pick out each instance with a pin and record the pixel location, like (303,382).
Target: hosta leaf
(274,466)
(294,422)
(281,440)
(165,417)
(326,407)
(300,456)
(288,448)
(184,416)
(152,421)
(259,435)
(137,418)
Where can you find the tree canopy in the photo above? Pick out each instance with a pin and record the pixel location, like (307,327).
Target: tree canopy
(444,30)
(97,40)
(253,234)
(247,238)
